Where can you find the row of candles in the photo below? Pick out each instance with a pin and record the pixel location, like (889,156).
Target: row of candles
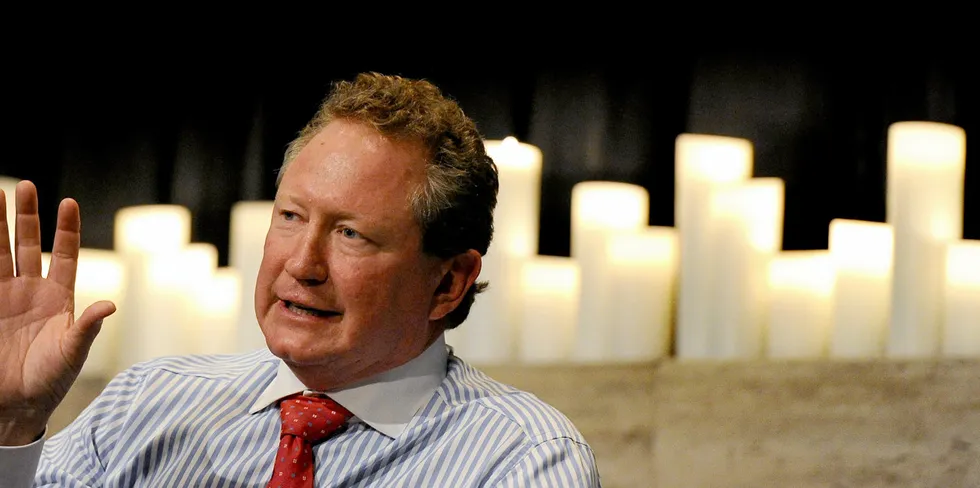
(715,286)
(718,285)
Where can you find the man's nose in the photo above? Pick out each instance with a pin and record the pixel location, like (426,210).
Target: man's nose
(308,262)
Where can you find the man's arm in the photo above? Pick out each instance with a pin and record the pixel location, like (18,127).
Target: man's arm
(559,463)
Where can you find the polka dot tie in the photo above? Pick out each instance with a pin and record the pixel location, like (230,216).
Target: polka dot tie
(306,420)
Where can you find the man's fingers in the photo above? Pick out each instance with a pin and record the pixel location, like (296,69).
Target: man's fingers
(28,231)
(6,258)
(67,239)
(83,331)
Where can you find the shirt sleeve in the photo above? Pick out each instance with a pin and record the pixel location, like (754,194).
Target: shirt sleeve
(559,463)
(19,463)
(75,457)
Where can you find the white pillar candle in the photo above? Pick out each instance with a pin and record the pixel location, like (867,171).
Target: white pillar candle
(550,285)
(862,257)
(249,226)
(149,229)
(100,276)
(747,221)
(149,239)
(926,165)
(489,335)
(600,209)
(193,276)
(703,163)
(643,270)
(9,187)
(217,303)
(961,333)
(518,200)
(801,286)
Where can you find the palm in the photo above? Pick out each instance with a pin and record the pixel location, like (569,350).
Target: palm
(35,314)
(42,345)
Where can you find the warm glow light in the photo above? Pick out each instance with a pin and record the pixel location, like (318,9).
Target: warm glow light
(152,228)
(862,246)
(963,265)
(758,205)
(510,154)
(650,245)
(926,144)
(713,158)
(249,226)
(221,295)
(609,205)
(810,271)
(549,274)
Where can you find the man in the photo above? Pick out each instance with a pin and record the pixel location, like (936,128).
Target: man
(383,211)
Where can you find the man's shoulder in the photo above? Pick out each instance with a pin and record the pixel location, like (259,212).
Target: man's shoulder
(209,366)
(468,387)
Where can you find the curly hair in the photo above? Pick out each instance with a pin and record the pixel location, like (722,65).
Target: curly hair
(454,206)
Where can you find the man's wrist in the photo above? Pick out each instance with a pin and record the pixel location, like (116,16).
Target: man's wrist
(20,433)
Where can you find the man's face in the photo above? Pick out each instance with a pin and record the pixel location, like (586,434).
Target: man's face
(344,289)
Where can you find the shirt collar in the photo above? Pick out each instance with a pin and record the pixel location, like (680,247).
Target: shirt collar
(386,401)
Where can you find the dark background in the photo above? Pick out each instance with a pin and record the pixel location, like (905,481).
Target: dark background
(207,127)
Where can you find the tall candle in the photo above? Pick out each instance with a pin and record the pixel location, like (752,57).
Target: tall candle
(550,285)
(862,257)
(926,168)
(961,333)
(217,302)
(643,272)
(149,239)
(600,209)
(704,163)
(747,219)
(801,286)
(249,225)
(489,335)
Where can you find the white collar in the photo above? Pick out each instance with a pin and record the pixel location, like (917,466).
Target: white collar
(386,401)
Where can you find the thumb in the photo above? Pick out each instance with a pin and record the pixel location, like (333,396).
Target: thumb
(81,334)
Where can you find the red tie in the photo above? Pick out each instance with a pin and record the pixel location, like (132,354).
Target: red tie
(306,420)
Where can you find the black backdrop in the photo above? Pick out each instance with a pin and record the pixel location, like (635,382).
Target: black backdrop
(208,129)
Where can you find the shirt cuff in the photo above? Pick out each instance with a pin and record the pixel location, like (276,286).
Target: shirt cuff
(19,463)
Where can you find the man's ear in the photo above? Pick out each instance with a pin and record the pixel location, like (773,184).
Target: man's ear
(458,275)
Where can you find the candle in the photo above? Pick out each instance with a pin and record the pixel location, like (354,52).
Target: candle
(862,257)
(146,237)
(961,333)
(9,187)
(703,163)
(600,209)
(643,270)
(801,286)
(249,225)
(489,335)
(217,303)
(550,285)
(926,164)
(747,221)
(148,229)
(100,275)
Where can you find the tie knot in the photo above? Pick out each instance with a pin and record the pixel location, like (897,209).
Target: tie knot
(311,418)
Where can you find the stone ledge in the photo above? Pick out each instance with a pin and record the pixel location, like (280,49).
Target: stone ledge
(772,423)
(760,423)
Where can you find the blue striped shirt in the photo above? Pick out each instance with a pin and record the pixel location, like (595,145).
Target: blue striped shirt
(180,422)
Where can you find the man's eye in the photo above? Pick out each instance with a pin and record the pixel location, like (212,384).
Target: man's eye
(350,233)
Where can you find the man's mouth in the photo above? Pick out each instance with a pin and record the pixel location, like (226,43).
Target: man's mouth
(296,308)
